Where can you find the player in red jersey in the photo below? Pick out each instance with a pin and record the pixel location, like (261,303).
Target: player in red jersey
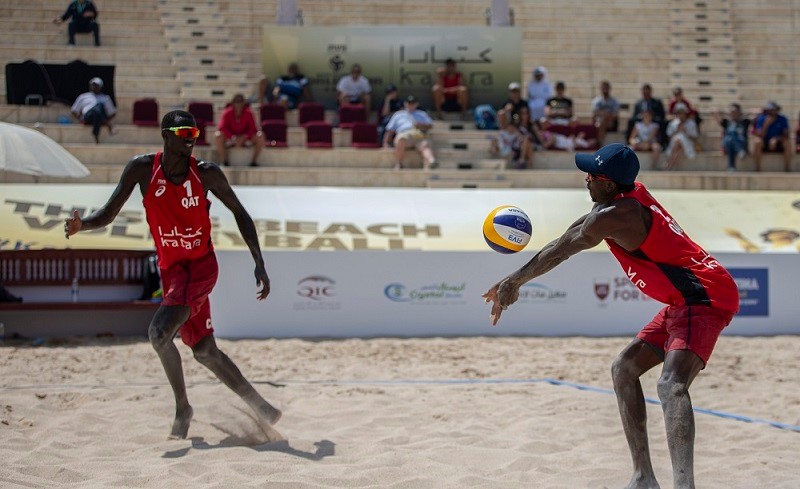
(700,295)
(174,186)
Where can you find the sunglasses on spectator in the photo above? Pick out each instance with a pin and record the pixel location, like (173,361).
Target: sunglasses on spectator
(591,177)
(184,131)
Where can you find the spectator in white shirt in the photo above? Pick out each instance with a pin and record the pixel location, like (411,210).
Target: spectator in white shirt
(354,89)
(408,128)
(95,107)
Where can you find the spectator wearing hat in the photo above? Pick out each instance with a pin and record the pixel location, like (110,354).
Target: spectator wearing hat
(679,98)
(84,19)
(391,103)
(408,128)
(771,131)
(683,133)
(558,109)
(354,88)
(605,112)
(95,107)
(513,104)
(450,93)
(539,92)
(237,128)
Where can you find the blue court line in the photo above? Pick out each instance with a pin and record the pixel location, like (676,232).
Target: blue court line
(555,382)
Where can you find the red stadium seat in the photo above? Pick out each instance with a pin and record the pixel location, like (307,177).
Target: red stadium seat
(319,134)
(365,135)
(272,112)
(145,112)
(310,112)
(350,114)
(203,113)
(275,132)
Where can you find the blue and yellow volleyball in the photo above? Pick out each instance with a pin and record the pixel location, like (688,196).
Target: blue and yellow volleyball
(507,229)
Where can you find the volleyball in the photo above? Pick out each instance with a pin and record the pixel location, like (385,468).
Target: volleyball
(507,229)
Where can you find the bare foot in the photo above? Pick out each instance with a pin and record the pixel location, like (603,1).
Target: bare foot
(267,420)
(639,481)
(180,427)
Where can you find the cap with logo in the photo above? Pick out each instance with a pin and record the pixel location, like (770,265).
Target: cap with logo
(513,86)
(771,106)
(411,99)
(615,161)
(96,81)
(390,88)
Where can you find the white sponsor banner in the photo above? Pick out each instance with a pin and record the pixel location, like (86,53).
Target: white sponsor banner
(347,219)
(363,294)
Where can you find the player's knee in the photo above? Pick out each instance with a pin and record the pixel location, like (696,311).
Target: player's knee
(670,388)
(158,336)
(622,370)
(204,352)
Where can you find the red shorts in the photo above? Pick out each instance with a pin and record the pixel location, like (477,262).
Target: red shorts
(695,328)
(188,283)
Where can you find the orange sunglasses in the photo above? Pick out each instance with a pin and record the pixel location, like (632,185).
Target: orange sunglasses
(591,177)
(184,131)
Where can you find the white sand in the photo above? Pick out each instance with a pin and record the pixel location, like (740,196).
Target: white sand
(95,413)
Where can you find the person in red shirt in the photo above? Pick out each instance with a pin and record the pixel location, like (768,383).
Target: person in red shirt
(450,93)
(174,186)
(701,298)
(237,128)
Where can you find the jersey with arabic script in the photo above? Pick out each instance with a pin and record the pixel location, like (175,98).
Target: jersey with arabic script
(670,267)
(178,215)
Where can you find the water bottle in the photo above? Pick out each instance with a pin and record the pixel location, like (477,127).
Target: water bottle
(75,289)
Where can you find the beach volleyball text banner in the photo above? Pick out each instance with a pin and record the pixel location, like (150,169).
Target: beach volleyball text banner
(489,58)
(387,219)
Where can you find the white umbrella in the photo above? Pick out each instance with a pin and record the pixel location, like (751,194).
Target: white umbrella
(27,151)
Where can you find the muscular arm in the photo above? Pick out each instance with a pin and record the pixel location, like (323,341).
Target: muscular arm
(214,180)
(137,171)
(617,221)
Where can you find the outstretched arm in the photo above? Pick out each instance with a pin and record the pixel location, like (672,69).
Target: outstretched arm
(138,168)
(585,233)
(215,181)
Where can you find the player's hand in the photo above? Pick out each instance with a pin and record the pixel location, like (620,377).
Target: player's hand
(262,281)
(72,224)
(501,295)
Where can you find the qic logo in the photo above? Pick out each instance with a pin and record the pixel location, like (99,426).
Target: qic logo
(316,287)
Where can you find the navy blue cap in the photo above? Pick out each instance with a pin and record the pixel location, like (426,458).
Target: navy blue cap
(615,161)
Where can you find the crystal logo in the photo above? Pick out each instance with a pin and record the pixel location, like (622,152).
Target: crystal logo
(438,293)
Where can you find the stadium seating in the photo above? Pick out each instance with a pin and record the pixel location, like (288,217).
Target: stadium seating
(203,113)
(309,112)
(145,112)
(275,133)
(364,135)
(271,112)
(350,114)
(319,134)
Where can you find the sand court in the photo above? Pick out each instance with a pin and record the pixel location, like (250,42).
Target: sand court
(401,413)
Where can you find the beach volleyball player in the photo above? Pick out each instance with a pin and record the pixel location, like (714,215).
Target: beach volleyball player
(663,262)
(174,186)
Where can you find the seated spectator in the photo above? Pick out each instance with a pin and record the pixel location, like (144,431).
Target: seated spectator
(683,133)
(408,128)
(450,93)
(354,89)
(644,137)
(83,15)
(679,98)
(605,112)
(771,131)
(514,144)
(654,105)
(95,107)
(555,139)
(391,104)
(513,104)
(559,107)
(734,134)
(539,92)
(237,128)
(289,89)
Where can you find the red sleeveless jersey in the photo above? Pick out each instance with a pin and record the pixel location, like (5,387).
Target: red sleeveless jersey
(670,267)
(178,215)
